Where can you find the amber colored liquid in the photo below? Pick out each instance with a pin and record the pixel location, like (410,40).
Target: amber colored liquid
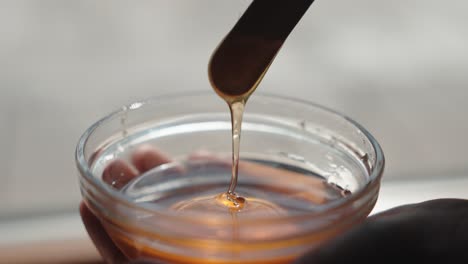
(323,193)
(230,198)
(269,189)
(139,250)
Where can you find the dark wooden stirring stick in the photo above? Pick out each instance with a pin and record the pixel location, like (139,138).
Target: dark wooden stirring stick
(243,57)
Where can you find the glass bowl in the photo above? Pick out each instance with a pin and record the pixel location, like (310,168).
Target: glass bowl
(316,173)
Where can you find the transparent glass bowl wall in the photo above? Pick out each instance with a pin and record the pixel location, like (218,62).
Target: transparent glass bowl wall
(285,130)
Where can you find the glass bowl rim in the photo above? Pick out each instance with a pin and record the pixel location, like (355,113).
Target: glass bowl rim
(115,195)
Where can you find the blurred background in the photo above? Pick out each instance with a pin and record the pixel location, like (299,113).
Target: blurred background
(400,68)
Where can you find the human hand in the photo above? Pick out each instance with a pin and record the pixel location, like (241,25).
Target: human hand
(434,231)
(117,174)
